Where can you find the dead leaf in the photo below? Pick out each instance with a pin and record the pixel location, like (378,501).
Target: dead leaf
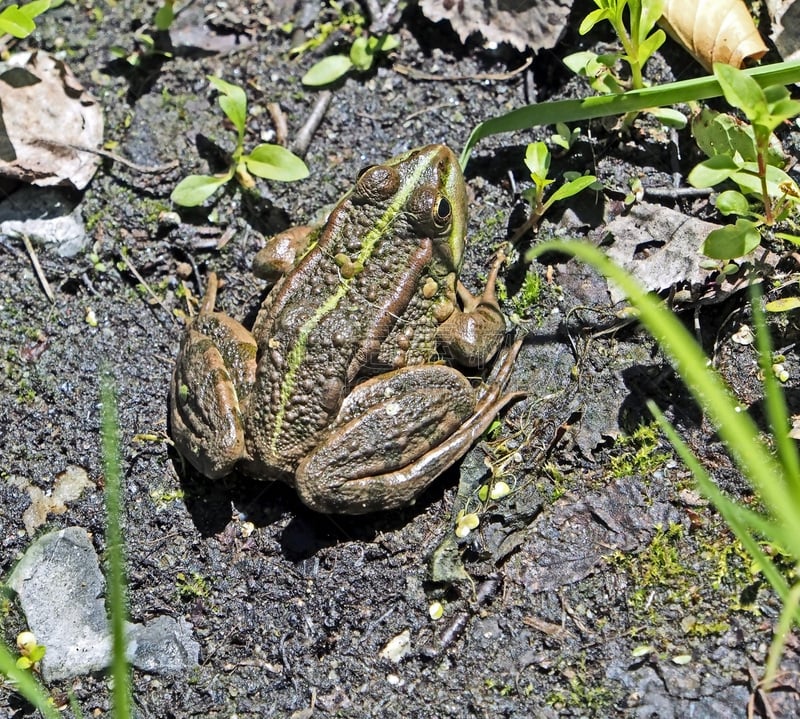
(524,24)
(44,114)
(659,246)
(714,30)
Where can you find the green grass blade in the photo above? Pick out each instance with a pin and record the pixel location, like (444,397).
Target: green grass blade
(549,113)
(735,517)
(736,428)
(26,685)
(784,626)
(120,670)
(777,413)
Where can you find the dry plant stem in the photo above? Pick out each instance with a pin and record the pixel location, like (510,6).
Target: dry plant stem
(144,169)
(415,74)
(303,138)
(132,269)
(37,267)
(279,121)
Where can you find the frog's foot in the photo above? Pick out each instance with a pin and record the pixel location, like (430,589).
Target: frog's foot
(396,433)
(213,373)
(475,333)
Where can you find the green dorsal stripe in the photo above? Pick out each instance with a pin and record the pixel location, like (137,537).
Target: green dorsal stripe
(298,352)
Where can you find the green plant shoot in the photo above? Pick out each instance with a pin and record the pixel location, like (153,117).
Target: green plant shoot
(637,42)
(745,155)
(361,58)
(269,161)
(537,160)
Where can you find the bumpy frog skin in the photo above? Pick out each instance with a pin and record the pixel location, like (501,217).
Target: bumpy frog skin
(338,389)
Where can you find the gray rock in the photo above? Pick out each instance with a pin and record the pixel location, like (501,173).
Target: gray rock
(49,216)
(60,588)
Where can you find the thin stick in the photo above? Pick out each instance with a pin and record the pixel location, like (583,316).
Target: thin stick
(37,267)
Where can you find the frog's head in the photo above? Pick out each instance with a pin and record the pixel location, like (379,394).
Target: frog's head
(426,187)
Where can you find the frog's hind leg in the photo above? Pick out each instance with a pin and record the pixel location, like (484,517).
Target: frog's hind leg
(213,375)
(396,433)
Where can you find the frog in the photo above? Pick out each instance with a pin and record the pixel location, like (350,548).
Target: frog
(349,385)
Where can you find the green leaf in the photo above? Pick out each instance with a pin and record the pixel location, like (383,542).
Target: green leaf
(732,241)
(15,22)
(717,133)
(712,171)
(24,663)
(537,160)
(785,304)
(670,117)
(592,19)
(548,113)
(194,190)
(35,8)
(650,45)
(651,11)
(327,70)
(362,53)
(233,102)
(573,187)
(731,202)
(741,91)
(273,162)
(387,43)
(164,16)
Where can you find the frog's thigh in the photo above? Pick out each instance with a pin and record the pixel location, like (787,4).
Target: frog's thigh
(214,370)
(370,458)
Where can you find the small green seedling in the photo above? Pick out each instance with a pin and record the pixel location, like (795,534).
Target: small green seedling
(361,58)
(564,137)
(634,23)
(747,156)
(165,15)
(31,652)
(18,21)
(272,162)
(537,160)
(635,30)
(148,45)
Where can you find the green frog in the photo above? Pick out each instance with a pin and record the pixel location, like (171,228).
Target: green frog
(340,388)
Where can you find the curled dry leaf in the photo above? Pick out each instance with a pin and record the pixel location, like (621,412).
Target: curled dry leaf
(44,114)
(714,30)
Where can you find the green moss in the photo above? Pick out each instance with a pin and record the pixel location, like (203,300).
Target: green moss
(582,694)
(637,453)
(195,586)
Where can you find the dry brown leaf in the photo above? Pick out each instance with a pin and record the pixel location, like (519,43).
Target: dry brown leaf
(44,114)
(534,24)
(714,30)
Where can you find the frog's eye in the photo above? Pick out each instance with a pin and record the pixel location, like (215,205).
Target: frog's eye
(442,212)
(363,171)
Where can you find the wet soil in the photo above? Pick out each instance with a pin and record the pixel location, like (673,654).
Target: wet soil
(601,550)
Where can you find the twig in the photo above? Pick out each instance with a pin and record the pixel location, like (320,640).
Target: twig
(36,266)
(146,169)
(279,121)
(143,283)
(415,74)
(303,138)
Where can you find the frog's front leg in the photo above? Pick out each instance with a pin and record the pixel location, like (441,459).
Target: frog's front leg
(213,375)
(396,433)
(474,334)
